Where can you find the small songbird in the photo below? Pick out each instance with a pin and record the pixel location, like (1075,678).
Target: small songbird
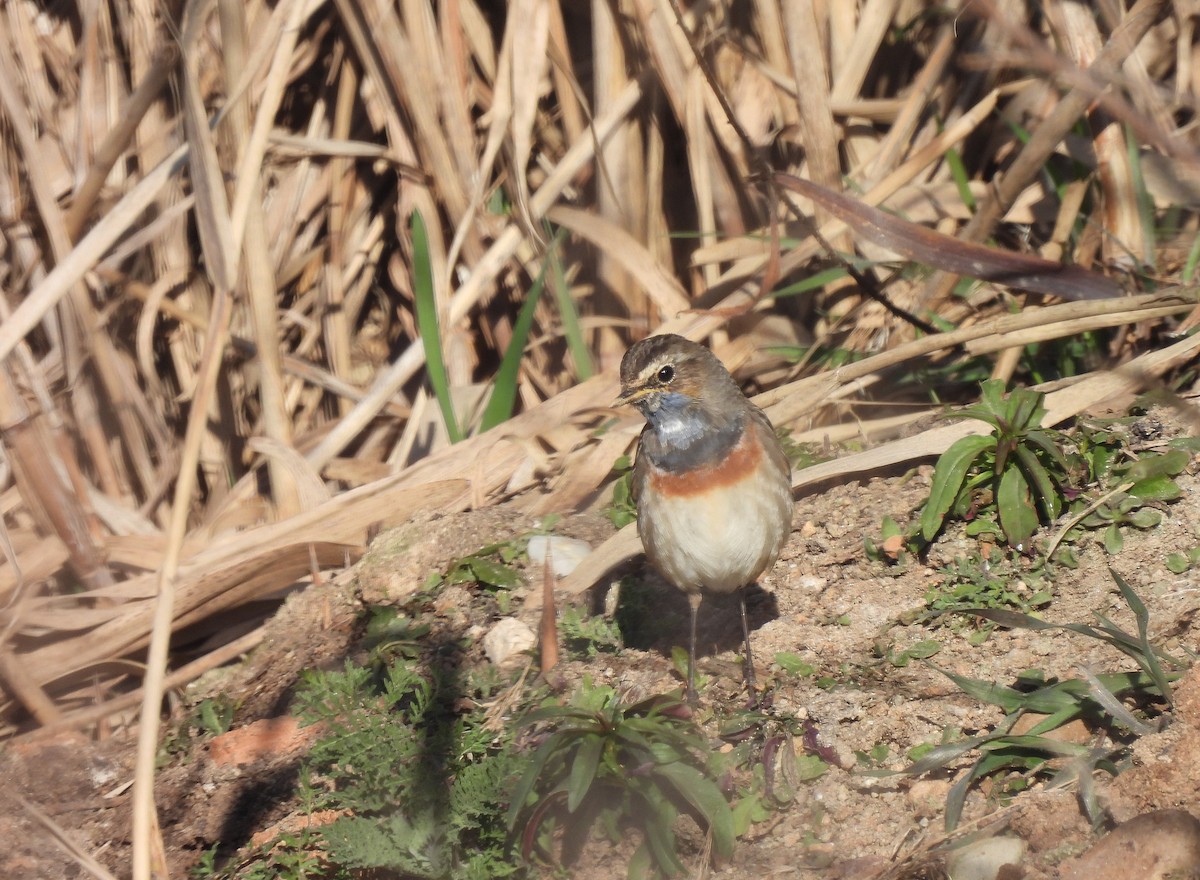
(712,482)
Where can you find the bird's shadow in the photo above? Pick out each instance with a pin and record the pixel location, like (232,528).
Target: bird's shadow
(654,616)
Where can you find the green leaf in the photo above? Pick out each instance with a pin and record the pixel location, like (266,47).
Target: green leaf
(948,476)
(1036,743)
(659,836)
(1169,464)
(703,794)
(1044,440)
(794,664)
(746,812)
(427,325)
(1178,563)
(1025,411)
(941,756)
(982,525)
(494,573)
(1044,490)
(1006,698)
(1157,488)
(920,651)
(1144,518)
(1149,656)
(639,867)
(1114,541)
(810,767)
(583,771)
(529,779)
(812,282)
(1017,515)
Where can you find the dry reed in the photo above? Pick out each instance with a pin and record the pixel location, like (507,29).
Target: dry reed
(156,170)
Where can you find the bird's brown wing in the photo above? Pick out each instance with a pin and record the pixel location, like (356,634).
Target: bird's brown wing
(640,468)
(771,441)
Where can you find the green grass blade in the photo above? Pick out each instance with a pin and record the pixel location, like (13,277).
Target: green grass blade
(1006,698)
(811,283)
(572,330)
(941,756)
(504,387)
(1044,441)
(427,325)
(1147,658)
(962,181)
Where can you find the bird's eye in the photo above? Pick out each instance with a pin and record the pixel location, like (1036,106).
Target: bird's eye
(666,374)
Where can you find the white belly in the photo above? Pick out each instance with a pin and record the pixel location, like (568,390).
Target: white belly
(720,539)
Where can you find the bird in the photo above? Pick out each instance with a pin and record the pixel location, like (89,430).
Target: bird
(711,480)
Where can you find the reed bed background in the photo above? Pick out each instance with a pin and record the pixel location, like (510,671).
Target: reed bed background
(277,275)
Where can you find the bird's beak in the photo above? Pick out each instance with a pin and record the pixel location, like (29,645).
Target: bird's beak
(630,395)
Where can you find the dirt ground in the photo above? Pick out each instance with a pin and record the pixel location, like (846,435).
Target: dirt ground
(825,601)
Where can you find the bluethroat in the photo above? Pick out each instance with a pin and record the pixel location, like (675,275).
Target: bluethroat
(712,482)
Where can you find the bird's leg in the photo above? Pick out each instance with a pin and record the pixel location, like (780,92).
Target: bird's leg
(694,600)
(748,669)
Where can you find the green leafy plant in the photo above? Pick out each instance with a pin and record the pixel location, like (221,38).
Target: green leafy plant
(993,580)
(892,545)
(623,510)
(1011,759)
(588,634)
(638,766)
(491,566)
(1019,467)
(803,455)
(391,634)
(288,857)
(210,717)
(1132,490)
(423,783)
(206,866)
(1178,563)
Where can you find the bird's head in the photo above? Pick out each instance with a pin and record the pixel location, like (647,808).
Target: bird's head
(672,380)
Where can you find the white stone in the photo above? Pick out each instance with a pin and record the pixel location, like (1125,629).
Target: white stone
(507,640)
(566,553)
(983,859)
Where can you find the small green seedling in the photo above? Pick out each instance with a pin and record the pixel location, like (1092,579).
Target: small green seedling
(1178,563)
(588,634)
(600,760)
(623,510)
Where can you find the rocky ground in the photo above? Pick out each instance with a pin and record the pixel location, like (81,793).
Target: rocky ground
(848,616)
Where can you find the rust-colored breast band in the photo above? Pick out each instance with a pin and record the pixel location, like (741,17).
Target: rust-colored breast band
(740,463)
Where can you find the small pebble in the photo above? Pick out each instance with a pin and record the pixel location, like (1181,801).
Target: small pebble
(983,859)
(507,641)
